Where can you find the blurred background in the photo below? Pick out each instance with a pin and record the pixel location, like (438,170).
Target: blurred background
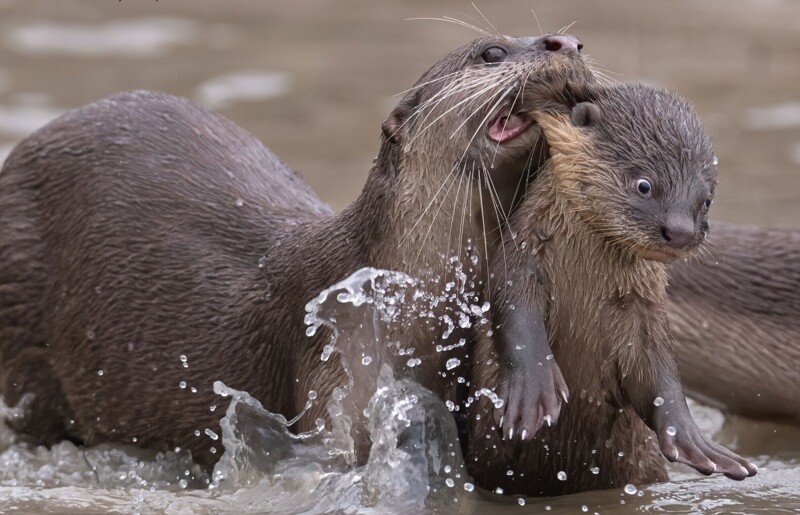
(314,79)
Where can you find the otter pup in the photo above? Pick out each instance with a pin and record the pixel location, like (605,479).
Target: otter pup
(626,191)
(149,247)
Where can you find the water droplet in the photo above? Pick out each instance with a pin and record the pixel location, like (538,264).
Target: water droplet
(449,482)
(469,487)
(197,432)
(100,372)
(630,489)
(715,161)
(239,202)
(366,360)
(521,501)
(595,470)
(509,472)
(90,334)
(182,384)
(183,483)
(584,508)
(312,394)
(452,363)
(212,408)
(450,405)
(620,454)
(413,362)
(211,434)
(498,491)
(672,431)
(193,389)
(658,401)
(562,476)
(262,262)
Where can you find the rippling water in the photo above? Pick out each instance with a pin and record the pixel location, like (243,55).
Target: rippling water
(267,468)
(314,80)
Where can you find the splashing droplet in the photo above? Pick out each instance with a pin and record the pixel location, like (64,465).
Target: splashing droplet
(562,476)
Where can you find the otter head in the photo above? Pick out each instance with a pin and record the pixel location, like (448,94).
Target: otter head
(463,138)
(640,166)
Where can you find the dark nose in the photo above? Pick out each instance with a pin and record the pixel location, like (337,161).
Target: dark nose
(562,43)
(678,234)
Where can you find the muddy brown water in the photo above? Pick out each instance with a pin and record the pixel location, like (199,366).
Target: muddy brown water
(314,79)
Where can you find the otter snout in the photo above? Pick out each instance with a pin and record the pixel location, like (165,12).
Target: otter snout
(678,232)
(562,43)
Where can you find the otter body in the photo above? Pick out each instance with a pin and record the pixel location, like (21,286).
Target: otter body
(627,190)
(149,247)
(735,315)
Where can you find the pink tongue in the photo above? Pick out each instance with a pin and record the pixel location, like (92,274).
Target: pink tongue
(506,128)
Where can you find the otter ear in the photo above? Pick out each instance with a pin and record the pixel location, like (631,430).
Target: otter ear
(394,126)
(585,114)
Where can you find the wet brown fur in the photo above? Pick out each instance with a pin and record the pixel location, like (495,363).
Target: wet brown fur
(131,232)
(735,314)
(606,317)
(591,430)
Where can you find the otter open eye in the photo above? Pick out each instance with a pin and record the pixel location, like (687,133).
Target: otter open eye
(494,54)
(707,203)
(644,187)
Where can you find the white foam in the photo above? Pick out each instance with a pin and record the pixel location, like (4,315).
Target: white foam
(245,85)
(143,37)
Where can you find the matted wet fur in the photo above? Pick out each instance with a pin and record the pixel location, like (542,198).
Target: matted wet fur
(149,247)
(592,245)
(735,315)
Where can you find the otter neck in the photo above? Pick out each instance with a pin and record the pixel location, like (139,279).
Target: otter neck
(433,217)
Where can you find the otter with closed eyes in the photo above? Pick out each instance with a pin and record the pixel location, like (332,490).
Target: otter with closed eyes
(626,191)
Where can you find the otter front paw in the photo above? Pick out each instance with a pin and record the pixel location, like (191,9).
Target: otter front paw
(531,397)
(683,442)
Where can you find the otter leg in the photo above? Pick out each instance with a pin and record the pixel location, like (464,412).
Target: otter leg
(27,378)
(657,396)
(531,384)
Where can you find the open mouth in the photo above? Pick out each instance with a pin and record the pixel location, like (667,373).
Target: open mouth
(505,127)
(663,255)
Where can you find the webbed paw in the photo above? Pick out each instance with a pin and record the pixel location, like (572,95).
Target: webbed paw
(532,397)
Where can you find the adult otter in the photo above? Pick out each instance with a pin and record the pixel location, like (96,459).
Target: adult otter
(735,315)
(149,247)
(627,190)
